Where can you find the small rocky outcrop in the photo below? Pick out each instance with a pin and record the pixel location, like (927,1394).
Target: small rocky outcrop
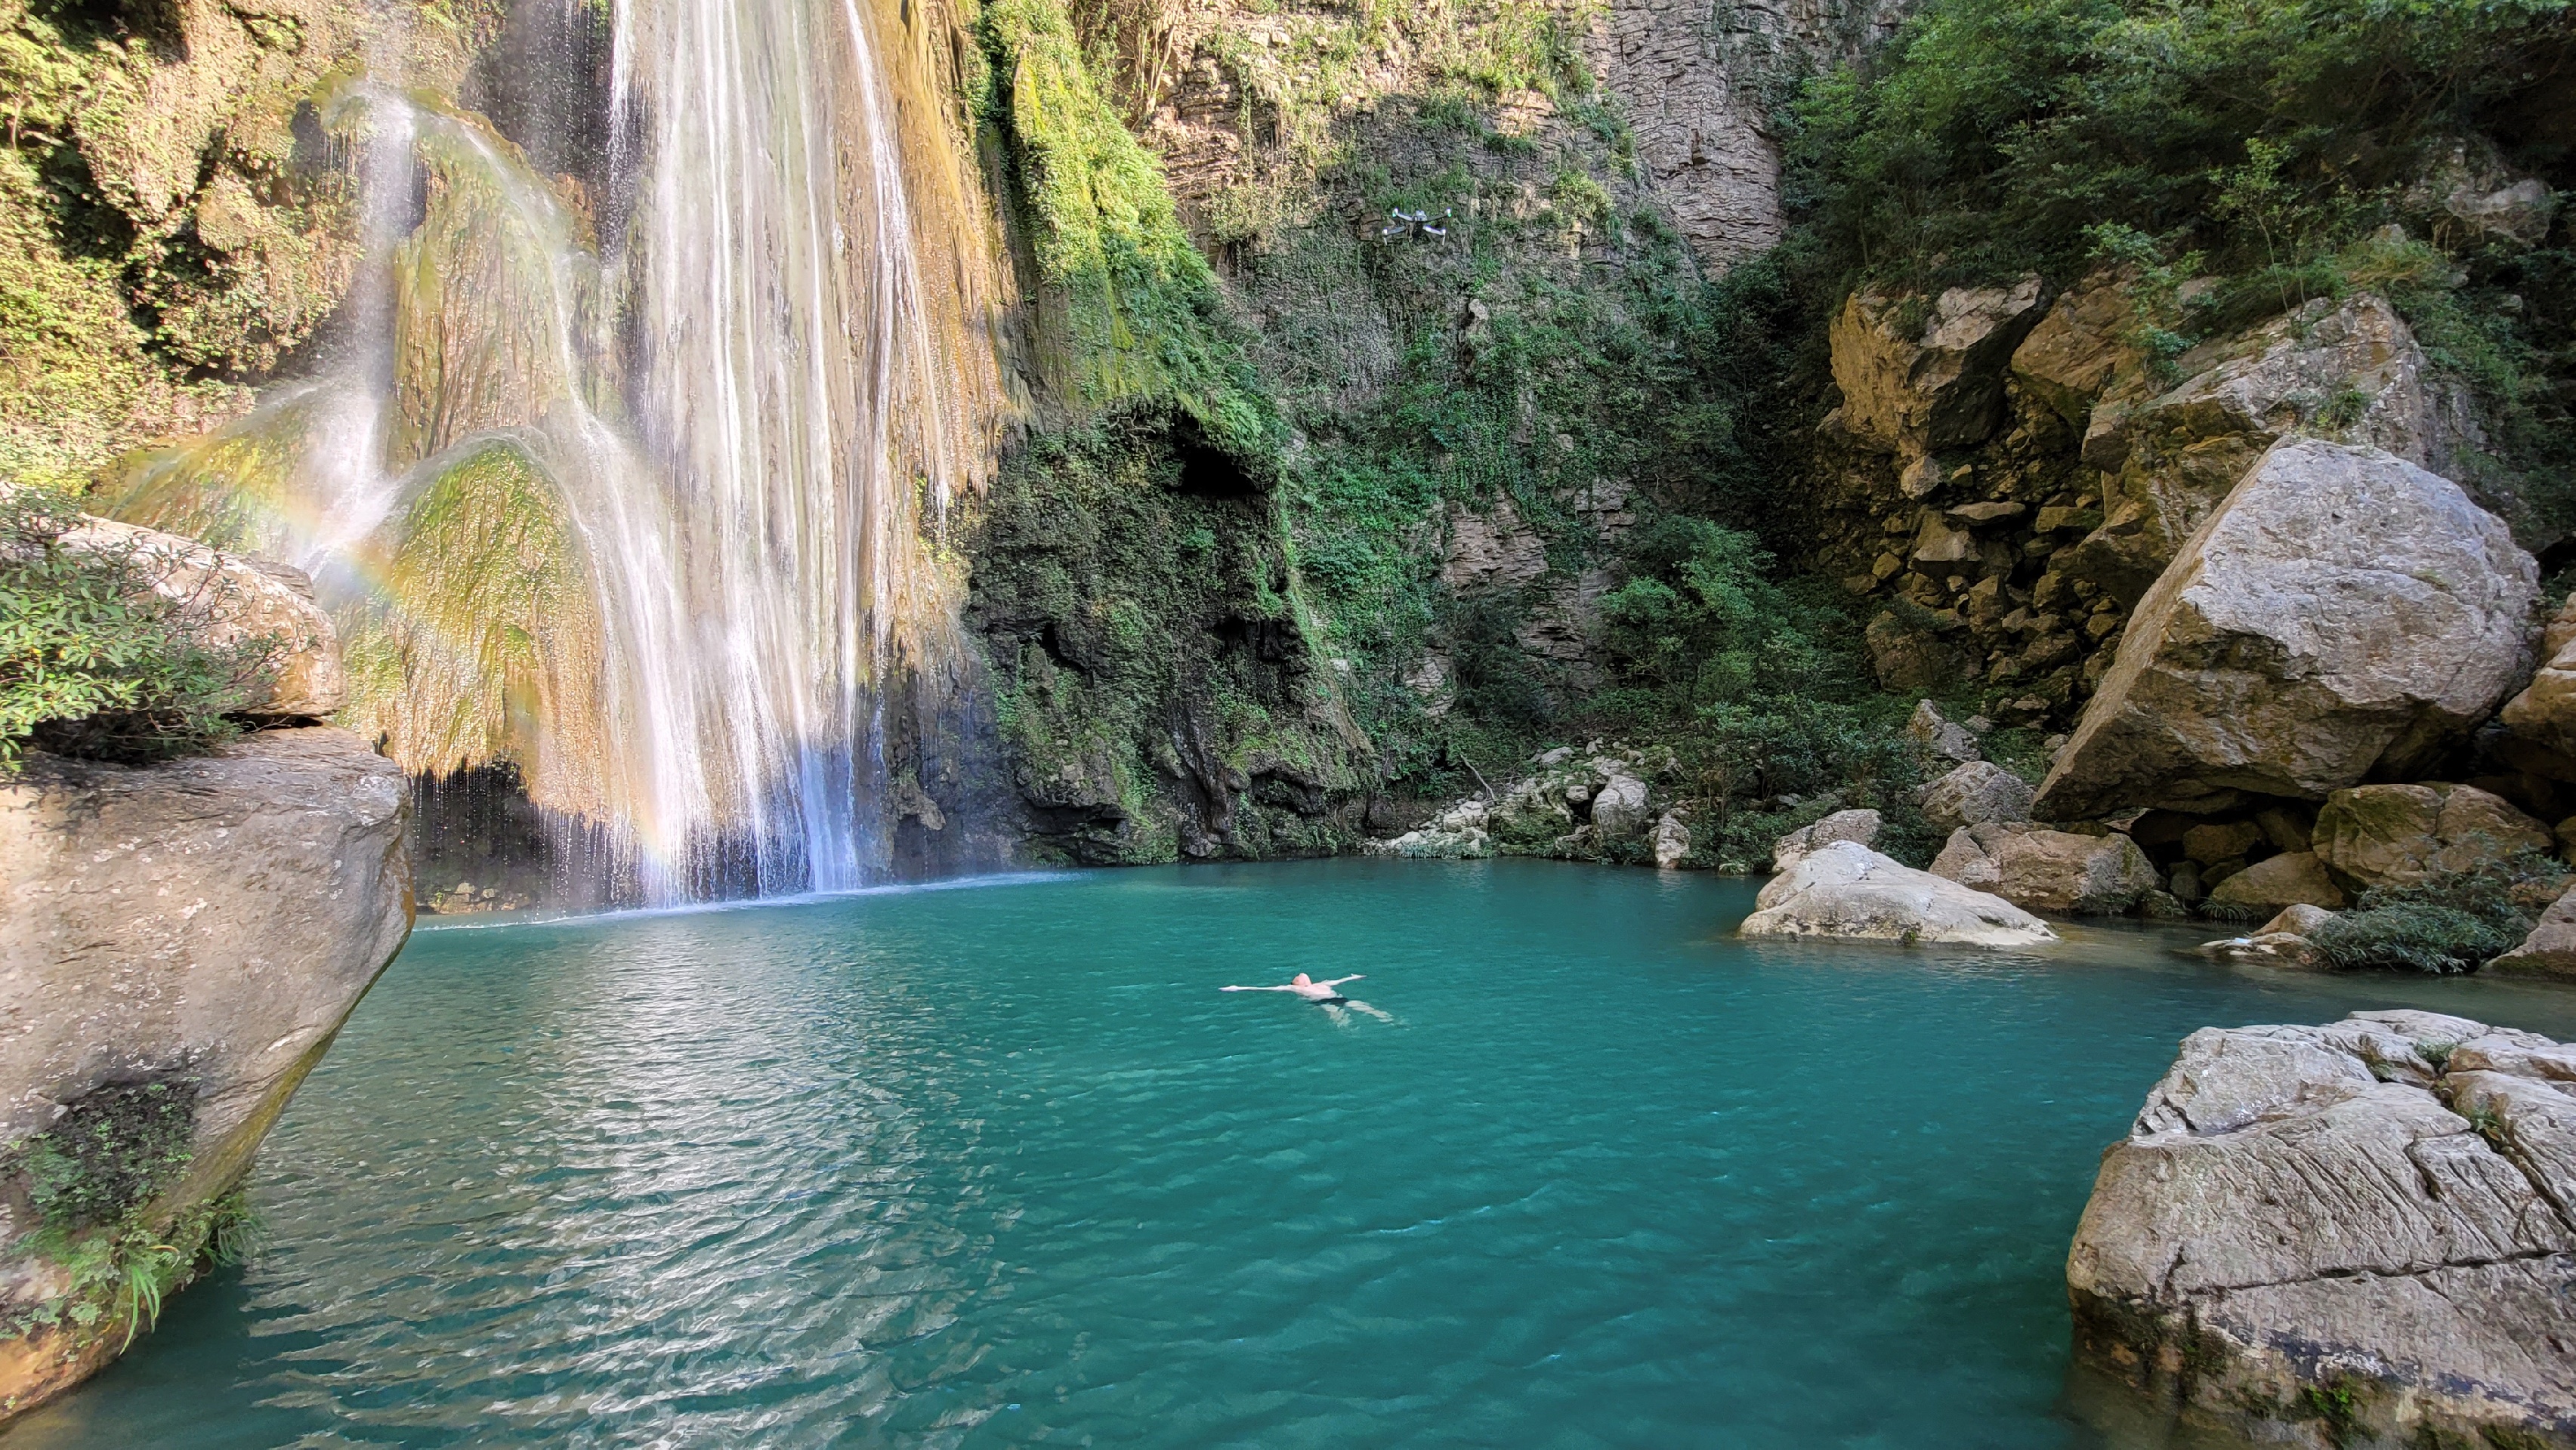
(2398,835)
(1844,891)
(2343,613)
(1975,794)
(1602,803)
(1921,375)
(2283,939)
(2550,950)
(232,599)
(183,941)
(2356,1234)
(1861,827)
(2058,872)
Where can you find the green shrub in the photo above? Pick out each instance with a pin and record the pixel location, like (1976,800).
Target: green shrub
(2455,922)
(94,663)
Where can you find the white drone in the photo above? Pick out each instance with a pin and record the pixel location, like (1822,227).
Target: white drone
(1406,223)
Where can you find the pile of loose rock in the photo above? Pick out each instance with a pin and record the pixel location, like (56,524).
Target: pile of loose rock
(1605,802)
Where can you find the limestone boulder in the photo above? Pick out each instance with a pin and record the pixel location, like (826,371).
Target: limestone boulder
(2397,835)
(2351,371)
(1905,657)
(1844,891)
(1619,807)
(2550,950)
(2344,613)
(1860,827)
(194,931)
(2058,872)
(2543,713)
(2287,882)
(1920,375)
(231,599)
(2307,1235)
(1672,841)
(1974,794)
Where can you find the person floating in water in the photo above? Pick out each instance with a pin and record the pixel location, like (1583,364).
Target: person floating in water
(1326,995)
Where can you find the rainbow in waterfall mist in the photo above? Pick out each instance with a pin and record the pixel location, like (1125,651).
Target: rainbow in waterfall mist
(639,481)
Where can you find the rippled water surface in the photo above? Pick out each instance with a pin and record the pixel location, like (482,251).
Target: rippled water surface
(997,1165)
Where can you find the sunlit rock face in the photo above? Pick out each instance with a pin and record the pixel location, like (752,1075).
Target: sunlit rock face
(183,940)
(632,470)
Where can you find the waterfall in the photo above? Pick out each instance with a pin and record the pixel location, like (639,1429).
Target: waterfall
(791,393)
(643,486)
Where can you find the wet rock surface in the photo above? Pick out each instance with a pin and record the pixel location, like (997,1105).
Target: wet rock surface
(2361,1229)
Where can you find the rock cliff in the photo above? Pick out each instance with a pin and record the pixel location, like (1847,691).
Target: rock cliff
(182,941)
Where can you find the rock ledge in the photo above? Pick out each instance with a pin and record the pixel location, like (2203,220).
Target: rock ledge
(2359,1234)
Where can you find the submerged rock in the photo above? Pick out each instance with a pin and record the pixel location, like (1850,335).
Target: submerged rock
(1845,891)
(183,941)
(2359,1229)
(2343,613)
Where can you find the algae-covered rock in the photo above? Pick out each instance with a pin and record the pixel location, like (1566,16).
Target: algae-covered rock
(183,941)
(2344,613)
(2360,1228)
(2550,950)
(1844,891)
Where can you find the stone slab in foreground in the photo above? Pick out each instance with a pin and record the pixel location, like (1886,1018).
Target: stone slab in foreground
(2357,1234)
(199,930)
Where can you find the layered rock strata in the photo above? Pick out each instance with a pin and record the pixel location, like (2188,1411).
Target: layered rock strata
(2356,1234)
(183,941)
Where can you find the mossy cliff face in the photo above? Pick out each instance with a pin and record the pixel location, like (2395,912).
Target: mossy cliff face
(178,222)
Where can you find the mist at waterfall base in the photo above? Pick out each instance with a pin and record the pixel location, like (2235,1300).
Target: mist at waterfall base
(989,1165)
(626,464)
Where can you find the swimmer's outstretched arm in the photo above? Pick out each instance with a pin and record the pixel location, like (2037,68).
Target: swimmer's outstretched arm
(1256,989)
(1337,981)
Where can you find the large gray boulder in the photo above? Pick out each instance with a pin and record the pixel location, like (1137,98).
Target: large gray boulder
(2355,1234)
(2170,452)
(1974,794)
(1859,826)
(184,938)
(1845,891)
(2343,613)
(2275,883)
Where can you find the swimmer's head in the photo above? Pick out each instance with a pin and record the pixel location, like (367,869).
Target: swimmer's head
(1304,981)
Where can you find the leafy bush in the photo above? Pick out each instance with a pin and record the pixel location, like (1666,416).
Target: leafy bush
(93,662)
(1757,683)
(2455,922)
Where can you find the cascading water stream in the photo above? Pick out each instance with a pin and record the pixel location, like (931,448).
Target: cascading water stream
(730,419)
